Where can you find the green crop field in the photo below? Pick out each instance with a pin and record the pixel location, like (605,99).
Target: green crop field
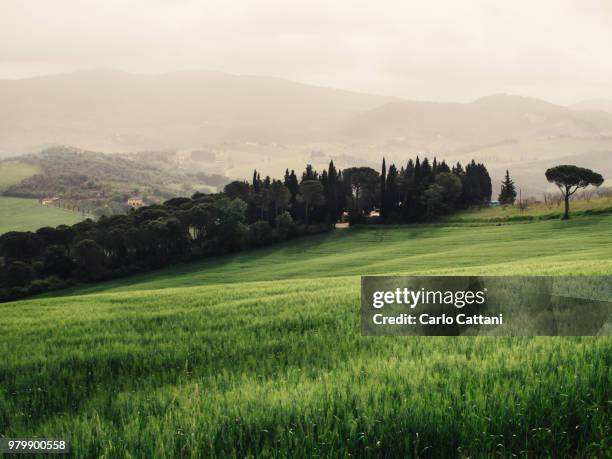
(259,354)
(20,214)
(13,172)
(601,205)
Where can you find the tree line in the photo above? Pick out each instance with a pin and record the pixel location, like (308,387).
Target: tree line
(417,192)
(246,214)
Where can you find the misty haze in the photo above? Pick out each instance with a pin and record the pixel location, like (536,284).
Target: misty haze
(248,122)
(290,229)
(521,87)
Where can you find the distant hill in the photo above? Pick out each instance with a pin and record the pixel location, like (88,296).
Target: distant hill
(604,105)
(111,110)
(235,124)
(489,120)
(89,180)
(72,171)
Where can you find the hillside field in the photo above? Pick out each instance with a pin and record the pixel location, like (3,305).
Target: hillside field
(21,214)
(538,211)
(259,354)
(13,172)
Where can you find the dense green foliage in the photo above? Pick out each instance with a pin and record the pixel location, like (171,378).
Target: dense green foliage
(419,192)
(20,214)
(424,190)
(145,238)
(83,174)
(258,353)
(245,215)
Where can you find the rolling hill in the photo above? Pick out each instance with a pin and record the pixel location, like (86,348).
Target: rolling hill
(523,135)
(108,110)
(272,124)
(260,354)
(90,180)
(604,105)
(488,120)
(119,111)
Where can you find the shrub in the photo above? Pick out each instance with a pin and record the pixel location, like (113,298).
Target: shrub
(260,234)
(284,226)
(89,260)
(18,274)
(56,262)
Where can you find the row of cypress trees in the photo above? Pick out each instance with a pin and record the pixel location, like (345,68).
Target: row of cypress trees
(416,192)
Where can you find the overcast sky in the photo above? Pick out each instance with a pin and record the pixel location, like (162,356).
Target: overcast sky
(457,50)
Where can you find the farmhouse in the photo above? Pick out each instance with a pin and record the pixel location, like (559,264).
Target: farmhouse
(47,201)
(135,202)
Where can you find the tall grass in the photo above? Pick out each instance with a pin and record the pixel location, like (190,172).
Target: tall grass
(259,354)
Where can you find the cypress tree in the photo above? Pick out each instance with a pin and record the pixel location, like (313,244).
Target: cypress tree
(383,187)
(294,189)
(426,172)
(331,193)
(309,173)
(392,191)
(443,167)
(255,181)
(485,183)
(507,194)
(409,180)
(324,179)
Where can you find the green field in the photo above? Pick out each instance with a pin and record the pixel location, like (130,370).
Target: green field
(259,354)
(13,172)
(534,211)
(20,214)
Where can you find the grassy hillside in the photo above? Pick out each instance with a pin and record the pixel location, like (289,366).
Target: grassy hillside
(260,354)
(101,183)
(13,172)
(19,214)
(601,205)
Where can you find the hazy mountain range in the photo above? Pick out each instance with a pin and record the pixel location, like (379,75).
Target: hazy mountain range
(604,105)
(180,109)
(188,108)
(489,119)
(112,111)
